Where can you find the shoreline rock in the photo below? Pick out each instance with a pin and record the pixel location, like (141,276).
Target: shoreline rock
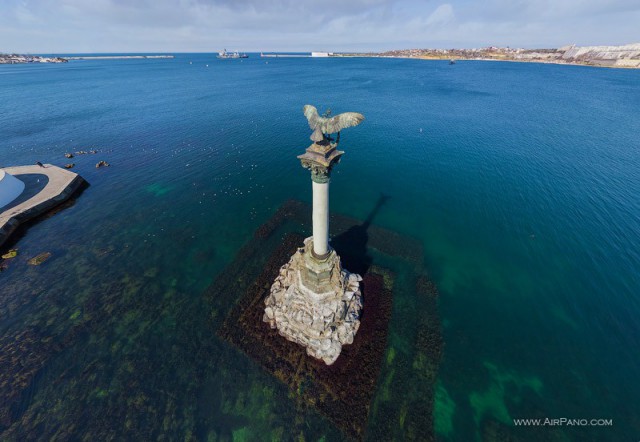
(19,59)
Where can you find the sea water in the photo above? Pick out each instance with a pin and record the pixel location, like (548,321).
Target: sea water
(521,180)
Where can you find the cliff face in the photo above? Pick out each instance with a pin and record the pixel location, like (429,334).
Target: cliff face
(620,56)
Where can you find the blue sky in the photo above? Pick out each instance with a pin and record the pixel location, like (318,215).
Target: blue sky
(64,26)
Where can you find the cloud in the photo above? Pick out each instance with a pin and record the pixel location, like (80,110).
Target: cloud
(442,15)
(253,25)
(24,16)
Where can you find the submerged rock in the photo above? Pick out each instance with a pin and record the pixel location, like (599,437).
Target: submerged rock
(100,164)
(10,254)
(68,155)
(69,166)
(37,260)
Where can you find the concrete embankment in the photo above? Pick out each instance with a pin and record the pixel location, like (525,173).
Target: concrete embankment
(61,186)
(117,57)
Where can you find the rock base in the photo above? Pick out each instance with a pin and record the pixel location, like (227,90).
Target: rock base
(315,303)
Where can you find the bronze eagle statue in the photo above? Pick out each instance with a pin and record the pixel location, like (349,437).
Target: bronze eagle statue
(324,126)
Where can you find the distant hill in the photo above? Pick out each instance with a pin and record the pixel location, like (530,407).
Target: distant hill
(626,56)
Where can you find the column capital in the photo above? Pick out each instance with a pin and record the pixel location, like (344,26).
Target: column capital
(319,173)
(320,158)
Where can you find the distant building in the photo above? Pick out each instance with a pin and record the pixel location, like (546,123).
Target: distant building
(321,54)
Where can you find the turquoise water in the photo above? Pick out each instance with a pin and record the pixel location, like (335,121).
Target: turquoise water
(521,180)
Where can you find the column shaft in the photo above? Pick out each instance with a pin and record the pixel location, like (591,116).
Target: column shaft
(320,218)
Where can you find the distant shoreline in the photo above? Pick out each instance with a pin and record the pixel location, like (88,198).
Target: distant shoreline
(21,59)
(555,62)
(626,56)
(116,57)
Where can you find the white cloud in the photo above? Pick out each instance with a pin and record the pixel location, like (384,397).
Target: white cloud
(442,15)
(24,15)
(254,25)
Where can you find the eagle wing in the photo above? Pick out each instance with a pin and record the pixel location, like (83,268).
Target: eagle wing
(333,124)
(342,121)
(312,116)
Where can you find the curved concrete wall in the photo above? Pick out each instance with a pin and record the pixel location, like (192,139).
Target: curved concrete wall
(10,188)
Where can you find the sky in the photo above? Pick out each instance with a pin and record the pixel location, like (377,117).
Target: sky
(82,26)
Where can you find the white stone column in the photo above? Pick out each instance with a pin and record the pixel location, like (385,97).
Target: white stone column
(320,218)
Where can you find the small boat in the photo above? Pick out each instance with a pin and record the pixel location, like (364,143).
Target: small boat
(452,61)
(236,54)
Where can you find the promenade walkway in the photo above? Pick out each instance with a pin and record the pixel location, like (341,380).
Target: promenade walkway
(61,185)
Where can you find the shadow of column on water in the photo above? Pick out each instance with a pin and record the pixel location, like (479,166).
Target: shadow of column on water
(351,245)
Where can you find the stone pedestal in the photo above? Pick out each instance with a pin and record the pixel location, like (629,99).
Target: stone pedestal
(315,303)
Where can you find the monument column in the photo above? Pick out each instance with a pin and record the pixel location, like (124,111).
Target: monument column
(320,158)
(314,301)
(320,216)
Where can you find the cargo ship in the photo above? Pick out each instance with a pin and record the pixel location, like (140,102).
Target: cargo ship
(236,54)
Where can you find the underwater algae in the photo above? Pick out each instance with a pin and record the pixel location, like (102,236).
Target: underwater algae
(131,356)
(444,409)
(342,391)
(119,358)
(346,391)
(503,385)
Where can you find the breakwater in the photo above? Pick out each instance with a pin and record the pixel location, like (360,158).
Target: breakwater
(61,186)
(116,57)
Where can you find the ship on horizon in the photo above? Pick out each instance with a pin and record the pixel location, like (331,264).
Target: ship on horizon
(236,54)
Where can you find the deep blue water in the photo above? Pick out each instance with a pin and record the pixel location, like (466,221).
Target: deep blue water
(521,180)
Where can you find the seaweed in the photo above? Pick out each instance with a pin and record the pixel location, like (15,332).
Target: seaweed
(130,356)
(344,391)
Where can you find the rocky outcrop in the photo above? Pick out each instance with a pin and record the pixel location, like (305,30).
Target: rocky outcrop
(603,52)
(315,303)
(17,59)
(617,56)
(37,260)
